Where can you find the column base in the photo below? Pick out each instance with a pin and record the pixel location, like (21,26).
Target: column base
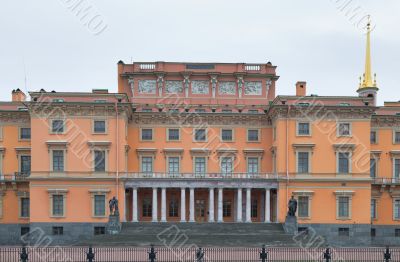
(183,221)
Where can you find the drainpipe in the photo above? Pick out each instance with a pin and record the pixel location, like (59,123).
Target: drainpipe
(287,154)
(117,147)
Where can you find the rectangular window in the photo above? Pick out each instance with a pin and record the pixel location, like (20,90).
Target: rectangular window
(254,208)
(372,167)
(99,231)
(226,165)
(173,207)
(303,203)
(373,137)
(397,137)
(25,133)
(303,129)
(58,160)
(373,232)
(147,164)
(303,162)
(173,134)
(24,207)
(147,134)
(252,135)
(200,165)
(200,135)
(344,162)
(99,126)
(343,207)
(99,205)
(252,165)
(58,231)
(373,208)
(99,161)
(344,129)
(147,207)
(344,231)
(397,232)
(227,135)
(396,209)
(173,165)
(303,230)
(25,230)
(227,209)
(25,167)
(397,168)
(58,205)
(57,126)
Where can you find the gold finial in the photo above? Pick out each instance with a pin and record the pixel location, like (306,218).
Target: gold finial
(367,79)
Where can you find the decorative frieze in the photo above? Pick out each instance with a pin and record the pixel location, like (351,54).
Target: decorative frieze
(147,86)
(173,87)
(200,87)
(227,88)
(253,88)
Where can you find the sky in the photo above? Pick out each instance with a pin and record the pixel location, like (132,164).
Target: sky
(74,45)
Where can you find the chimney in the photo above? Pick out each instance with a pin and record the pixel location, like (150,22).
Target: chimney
(301,88)
(18,95)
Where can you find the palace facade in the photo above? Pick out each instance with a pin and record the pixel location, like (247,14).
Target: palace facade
(199,142)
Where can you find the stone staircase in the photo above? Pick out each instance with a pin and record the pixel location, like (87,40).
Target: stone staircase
(200,234)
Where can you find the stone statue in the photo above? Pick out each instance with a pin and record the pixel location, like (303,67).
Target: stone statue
(113,203)
(292,207)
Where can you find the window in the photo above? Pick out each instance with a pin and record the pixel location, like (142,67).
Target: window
(173,165)
(344,162)
(373,232)
(397,137)
(343,202)
(227,135)
(303,129)
(24,207)
(25,167)
(99,205)
(173,134)
(25,230)
(397,232)
(344,129)
(252,165)
(373,209)
(254,208)
(147,164)
(303,230)
(99,161)
(99,231)
(173,207)
(372,167)
(58,205)
(58,231)
(100,101)
(226,165)
(57,126)
(373,137)
(303,203)
(147,134)
(99,126)
(252,135)
(396,209)
(25,133)
(227,209)
(397,168)
(344,231)
(200,135)
(303,162)
(58,160)
(147,207)
(200,165)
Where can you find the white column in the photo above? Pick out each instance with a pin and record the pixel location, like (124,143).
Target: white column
(211,206)
(163,205)
(239,206)
(248,205)
(134,205)
(267,205)
(191,205)
(183,205)
(155,207)
(220,203)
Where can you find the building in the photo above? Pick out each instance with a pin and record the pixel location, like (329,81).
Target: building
(200,142)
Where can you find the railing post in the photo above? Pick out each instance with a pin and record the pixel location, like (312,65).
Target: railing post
(152,254)
(328,255)
(90,255)
(24,255)
(387,255)
(200,255)
(264,254)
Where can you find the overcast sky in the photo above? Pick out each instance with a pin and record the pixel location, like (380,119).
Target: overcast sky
(319,41)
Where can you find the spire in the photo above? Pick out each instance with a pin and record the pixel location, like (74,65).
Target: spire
(367,81)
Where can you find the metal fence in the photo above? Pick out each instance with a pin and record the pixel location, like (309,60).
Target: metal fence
(163,254)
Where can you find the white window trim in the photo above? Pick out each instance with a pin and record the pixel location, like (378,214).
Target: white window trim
(376,208)
(394,165)
(167,134)
(200,141)
(19,160)
(2,193)
(348,194)
(179,163)
(350,129)
(51,160)
(350,162)
(233,135)
(20,196)
(308,205)
(106,158)
(258,135)
(105,126)
(309,128)
(393,209)
(205,162)
(258,164)
(394,136)
(19,134)
(309,161)
(93,198)
(233,163)
(1,133)
(152,134)
(140,162)
(51,126)
(62,192)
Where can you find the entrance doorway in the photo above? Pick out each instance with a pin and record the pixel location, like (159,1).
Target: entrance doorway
(200,210)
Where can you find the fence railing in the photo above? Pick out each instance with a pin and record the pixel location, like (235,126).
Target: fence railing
(385,180)
(164,254)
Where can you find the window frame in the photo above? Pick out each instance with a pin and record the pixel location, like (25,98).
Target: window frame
(205,135)
(394,209)
(52,160)
(232,135)
(298,128)
(105,151)
(298,162)
(20,138)
(52,131)
(21,198)
(349,196)
(168,164)
(338,134)
(374,209)
(258,165)
(349,162)
(194,165)
(94,127)
(152,163)
(394,160)
(141,134)
(52,214)
(20,157)
(248,135)
(94,205)
(232,165)
(376,136)
(308,198)
(395,131)
(168,134)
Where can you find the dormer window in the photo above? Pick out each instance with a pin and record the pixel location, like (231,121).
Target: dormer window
(58,100)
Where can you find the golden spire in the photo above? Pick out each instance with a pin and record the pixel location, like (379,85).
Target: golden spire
(367,77)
